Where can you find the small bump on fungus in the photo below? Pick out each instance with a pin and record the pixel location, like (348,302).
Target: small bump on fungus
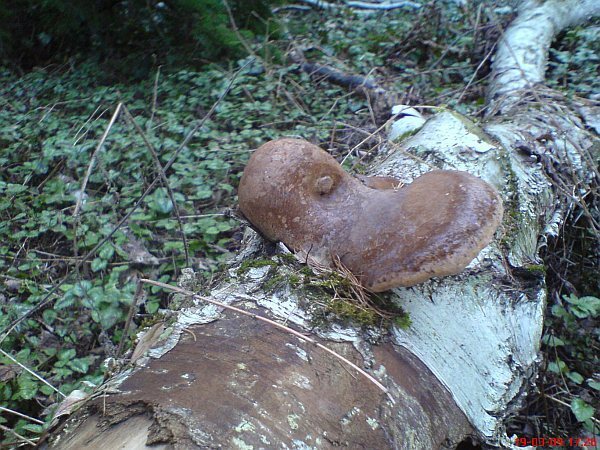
(386,233)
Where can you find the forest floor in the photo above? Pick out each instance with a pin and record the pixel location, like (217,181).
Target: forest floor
(69,176)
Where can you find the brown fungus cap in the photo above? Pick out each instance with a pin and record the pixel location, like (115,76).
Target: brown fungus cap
(387,234)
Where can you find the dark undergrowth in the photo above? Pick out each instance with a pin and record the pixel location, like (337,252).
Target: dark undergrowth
(561,412)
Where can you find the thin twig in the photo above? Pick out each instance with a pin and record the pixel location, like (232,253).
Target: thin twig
(321,4)
(487,56)
(93,159)
(290,7)
(359,296)
(48,298)
(394,117)
(275,324)
(132,308)
(237,31)
(197,216)
(382,6)
(23,438)
(560,402)
(27,369)
(86,179)
(165,181)
(154,96)
(451,47)
(76,139)
(24,416)
(476,25)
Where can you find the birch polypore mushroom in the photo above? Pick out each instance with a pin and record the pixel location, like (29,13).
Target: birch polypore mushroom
(386,234)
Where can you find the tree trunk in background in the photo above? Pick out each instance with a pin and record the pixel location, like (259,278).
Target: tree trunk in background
(217,378)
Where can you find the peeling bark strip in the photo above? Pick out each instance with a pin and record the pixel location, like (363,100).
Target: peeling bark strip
(471,352)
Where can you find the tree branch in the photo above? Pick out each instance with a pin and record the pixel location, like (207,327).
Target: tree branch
(385,6)
(520,62)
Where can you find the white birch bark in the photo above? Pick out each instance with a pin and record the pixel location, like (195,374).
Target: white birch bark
(521,58)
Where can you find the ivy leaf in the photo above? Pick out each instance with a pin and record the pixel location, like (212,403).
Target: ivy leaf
(590,304)
(98,264)
(81,365)
(64,302)
(583,307)
(559,311)
(160,202)
(82,287)
(28,387)
(224,226)
(66,287)
(106,252)
(15,188)
(67,354)
(152,306)
(49,316)
(46,390)
(204,194)
(212,230)
(575,377)
(557,367)
(173,245)
(34,428)
(553,341)
(582,410)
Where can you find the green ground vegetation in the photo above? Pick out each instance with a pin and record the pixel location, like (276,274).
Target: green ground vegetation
(50,124)
(54,112)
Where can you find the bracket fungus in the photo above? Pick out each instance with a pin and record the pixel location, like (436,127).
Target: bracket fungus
(385,233)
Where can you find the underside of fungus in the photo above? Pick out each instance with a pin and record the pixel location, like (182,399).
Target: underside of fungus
(387,234)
